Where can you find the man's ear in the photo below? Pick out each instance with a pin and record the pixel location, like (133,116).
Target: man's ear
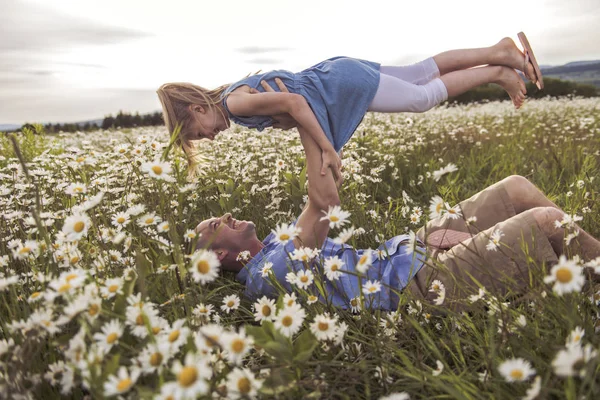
(221,253)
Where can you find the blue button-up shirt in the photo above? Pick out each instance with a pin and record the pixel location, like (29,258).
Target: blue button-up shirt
(391,266)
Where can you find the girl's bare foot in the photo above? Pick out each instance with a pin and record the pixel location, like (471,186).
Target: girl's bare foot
(513,84)
(509,54)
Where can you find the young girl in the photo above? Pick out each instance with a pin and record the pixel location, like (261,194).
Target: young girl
(329,100)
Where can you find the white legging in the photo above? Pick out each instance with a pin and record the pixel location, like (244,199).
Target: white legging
(410,88)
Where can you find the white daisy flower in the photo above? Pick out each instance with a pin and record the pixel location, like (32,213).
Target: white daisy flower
(365,261)
(454,212)
(111,288)
(333,267)
(473,298)
(304,254)
(264,271)
(494,243)
(396,396)
(355,304)
(191,377)
(336,216)
(572,360)
(241,384)
(237,345)
(566,275)
(516,370)
(289,319)
(323,327)
(163,227)
(231,302)
(190,235)
(575,337)
(264,309)
(157,170)
(371,287)
(176,335)
(75,189)
(122,382)
(109,336)
(437,207)
(344,235)
(439,368)
(289,299)
(148,220)
(205,266)
(304,278)
(284,233)
(208,338)
(534,390)
(76,226)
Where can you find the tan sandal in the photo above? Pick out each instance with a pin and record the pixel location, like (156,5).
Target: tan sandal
(529,57)
(447,238)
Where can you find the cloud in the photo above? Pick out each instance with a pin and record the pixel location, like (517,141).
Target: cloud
(260,50)
(27,27)
(264,61)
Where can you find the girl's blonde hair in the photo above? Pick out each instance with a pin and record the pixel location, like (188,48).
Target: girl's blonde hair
(175,99)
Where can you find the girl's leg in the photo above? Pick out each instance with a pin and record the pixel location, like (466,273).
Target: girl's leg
(396,95)
(505,52)
(419,73)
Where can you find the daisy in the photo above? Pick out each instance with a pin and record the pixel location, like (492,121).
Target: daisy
(155,357)
(122,382)
(323,327)
(289,299)
(516,370)
(205,266)
(439,368)
(304,254)
(241,384)
(284,233)
(355,304)
(494,243)
(409,247)
(453,212)
(231,302)
(264,271)
(566,275)
(60,375)
(264,309)
(473,298)
(575,336)
(202,312)
(148,220)
(436,207)
(176,335)
(26,250)
(438,287)
(191,376)
(336,216)
(371,287)
(572,360)
(289,319)
(237,345)
(534,390)
(76,226)
(163,227)
(344,235)
(111,288)
(396,396)
(75,189)
(333,267)
(208,337)
(138,317)
(311,299)
(111,332)
(304,278)
(190,235)
(365,261)
(156,169)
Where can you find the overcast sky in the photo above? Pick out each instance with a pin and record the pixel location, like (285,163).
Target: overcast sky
(73,60)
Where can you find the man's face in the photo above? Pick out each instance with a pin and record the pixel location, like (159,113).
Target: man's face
(226,232)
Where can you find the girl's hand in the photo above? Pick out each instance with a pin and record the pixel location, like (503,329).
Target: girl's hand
(283,121)
(331,159)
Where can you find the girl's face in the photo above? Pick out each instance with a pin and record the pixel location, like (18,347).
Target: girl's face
(207,123)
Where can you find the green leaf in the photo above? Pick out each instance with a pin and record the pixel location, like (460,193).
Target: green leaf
(304,346)
(279,351)
(258,333)
(280,380)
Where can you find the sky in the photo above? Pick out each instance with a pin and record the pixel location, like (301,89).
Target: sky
(73,60)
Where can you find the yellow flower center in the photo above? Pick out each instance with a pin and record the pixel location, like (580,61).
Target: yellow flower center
(333,218)
(363,259)
(287,321)
(237,346)
(323,326)
(334,267)
(80,159)
(354,302)
(266,310)
(156,359)
(25,250)
(120,220)
(79,226)
(173,336)
(113,288)
(203,267)
(563,275)
(149,220)
(70,277)
(74,259)
(157,170)
(284,236)
(187,376)
(139,320)
(64,288)
(516,374)
(111,338)
(304,279)
(155,330)
(372,289)
(438,207)
(35,295)
(230,303)
(124,385)
(93,310)
(244,385)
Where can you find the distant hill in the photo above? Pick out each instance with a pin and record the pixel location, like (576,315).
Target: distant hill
(9,127)
(578,71)
(14,127)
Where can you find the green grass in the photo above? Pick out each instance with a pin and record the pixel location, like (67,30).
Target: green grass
(555,143)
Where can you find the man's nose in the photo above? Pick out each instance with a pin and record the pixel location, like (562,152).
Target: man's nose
(226,217)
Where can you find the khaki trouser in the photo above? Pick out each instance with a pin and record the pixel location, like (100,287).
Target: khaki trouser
(469,264)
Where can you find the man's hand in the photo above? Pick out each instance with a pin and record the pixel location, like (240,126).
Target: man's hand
(331,159)
(282,121)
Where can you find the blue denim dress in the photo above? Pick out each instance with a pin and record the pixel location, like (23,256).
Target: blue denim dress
(338,90)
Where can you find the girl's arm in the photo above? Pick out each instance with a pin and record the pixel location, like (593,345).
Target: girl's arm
(273,103)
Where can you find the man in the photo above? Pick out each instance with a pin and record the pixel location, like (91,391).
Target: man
(511,215)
